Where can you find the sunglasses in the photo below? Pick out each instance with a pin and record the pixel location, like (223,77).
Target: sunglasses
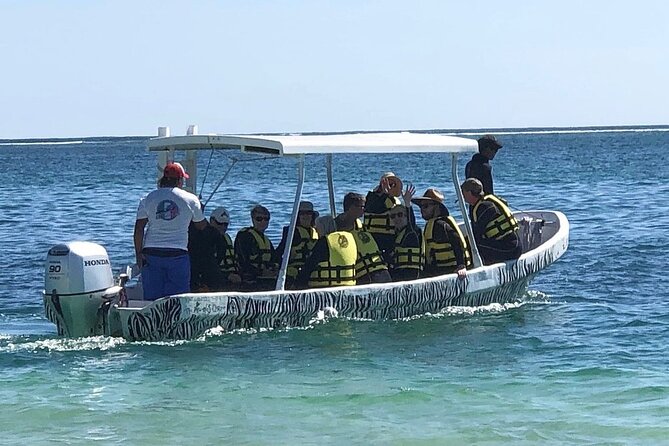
(426,205)
(259,218)
(397,215)
(225,223)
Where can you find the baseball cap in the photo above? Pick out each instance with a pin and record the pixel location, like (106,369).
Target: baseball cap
(175,170)
(489,142)
(221,215)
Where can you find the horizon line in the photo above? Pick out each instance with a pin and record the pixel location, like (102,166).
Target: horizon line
(460,131)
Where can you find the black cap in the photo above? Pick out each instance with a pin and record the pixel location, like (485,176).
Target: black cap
(489,142)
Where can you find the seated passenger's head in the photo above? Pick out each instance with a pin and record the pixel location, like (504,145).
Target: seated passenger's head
(260,217)
(472,190)
(392,183)
(325,225)
(306,216)
(220,219)
(399,216)
(354,202)
(431,204)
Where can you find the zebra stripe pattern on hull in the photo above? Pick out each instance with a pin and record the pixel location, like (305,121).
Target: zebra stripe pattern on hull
(188,316)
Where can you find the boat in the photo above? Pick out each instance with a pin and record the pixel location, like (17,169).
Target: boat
(82,298)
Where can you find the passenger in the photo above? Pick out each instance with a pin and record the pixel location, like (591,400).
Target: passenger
(354,208)
(162,252)
(479,167)
(202,247)
(332,260)
(445,246)
(304,239)
(255,253)
(225,250)
(378,204)
(370,266)
(408,255)
(494,226)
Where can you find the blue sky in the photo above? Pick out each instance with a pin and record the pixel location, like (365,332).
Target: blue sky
(95,68)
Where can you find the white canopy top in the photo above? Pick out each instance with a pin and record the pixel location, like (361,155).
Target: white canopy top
(381,143)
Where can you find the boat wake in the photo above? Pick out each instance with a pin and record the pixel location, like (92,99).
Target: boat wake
(14,344)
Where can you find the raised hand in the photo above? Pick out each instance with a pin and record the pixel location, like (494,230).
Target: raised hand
(408,194)
(385,185)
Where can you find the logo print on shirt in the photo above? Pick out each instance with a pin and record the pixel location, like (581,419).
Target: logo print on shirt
(167,210)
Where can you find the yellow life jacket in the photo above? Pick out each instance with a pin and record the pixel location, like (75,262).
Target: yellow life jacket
(261,260)
(228,263)
(440,255)
(369,255)
(339,268)
(501,226)
(380,223)
(300,250)
(408,257)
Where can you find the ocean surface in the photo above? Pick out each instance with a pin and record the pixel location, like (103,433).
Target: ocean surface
(582,359)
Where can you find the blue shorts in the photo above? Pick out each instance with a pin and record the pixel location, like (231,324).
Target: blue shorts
(165,276)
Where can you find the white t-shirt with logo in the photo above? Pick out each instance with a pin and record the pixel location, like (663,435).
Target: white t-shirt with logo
(169,211)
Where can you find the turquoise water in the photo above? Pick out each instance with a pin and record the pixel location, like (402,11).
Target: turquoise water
(583,359)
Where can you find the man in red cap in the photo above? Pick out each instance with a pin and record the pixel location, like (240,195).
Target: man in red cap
(162,249)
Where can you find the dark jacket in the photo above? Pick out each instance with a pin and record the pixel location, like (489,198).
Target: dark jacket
(479,167)
(203,247)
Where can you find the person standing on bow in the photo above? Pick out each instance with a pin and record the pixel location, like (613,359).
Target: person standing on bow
(255,253)
(445,245)
(161,235)
(479,167)
(225,250)
(378,204)
(304,239)
(493,224)
(408,255)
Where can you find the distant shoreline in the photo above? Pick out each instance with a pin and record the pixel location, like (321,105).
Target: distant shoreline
(467,132)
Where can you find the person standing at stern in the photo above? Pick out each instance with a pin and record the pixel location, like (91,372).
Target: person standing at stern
(161,235)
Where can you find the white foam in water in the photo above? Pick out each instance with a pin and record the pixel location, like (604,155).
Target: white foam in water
(490,308)
(65,344)
(41,143)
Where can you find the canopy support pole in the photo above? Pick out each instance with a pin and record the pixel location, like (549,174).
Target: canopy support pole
(331,191)
(281,279)
(476,257)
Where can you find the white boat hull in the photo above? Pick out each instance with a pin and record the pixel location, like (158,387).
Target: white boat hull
(189,315)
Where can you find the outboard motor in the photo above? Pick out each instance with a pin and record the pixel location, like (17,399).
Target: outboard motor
(78,282)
